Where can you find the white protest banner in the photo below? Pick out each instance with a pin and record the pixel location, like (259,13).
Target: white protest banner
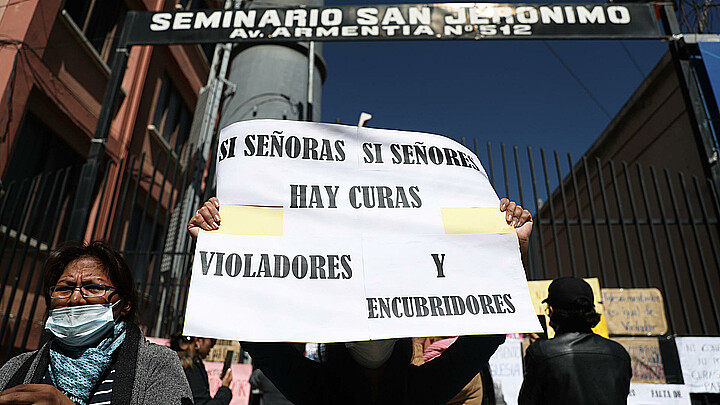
(700,363)
(658,394)
(341,233)
(506,368)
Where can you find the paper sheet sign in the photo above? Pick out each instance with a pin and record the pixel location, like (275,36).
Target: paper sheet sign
(659,394)
(340,233)
(700,362)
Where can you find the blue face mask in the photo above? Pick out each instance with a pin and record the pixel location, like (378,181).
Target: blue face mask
(83,325)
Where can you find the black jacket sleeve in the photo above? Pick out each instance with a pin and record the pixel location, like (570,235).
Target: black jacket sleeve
(201,388)
(439,380)
(531,390)
(300,380)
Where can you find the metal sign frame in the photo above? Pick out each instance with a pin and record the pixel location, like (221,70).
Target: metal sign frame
(442,21)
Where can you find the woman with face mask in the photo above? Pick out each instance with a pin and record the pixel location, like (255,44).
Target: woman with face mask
(97,353)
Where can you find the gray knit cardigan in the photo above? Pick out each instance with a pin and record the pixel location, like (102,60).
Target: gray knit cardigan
(156,378)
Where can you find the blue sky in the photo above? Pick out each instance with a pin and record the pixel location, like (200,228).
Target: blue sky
(513,91)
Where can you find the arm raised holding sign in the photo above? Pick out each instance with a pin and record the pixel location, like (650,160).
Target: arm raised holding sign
(521,220)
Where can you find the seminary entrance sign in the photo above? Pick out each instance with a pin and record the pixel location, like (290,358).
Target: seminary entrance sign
(444,21)
(340,233)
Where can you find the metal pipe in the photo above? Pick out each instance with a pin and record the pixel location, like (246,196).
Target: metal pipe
(593,214)
(583,238)
(38,288)
(113,201)
(621,215)
(568,234)
(558,263)
(686,255)
(656,246)
(608,224)
(701,255)
(671,250)
(638,232)
(538,220)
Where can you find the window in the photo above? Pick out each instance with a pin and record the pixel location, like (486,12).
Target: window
(39,150)
(207,49)
(172,117)
(100,21)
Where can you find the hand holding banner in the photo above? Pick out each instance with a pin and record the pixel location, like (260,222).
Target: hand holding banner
(340,233)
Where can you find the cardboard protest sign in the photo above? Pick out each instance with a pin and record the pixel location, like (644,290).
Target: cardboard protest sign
(240,385)
(218,352)
(658,394)
(340,233)
(634,311)
(700,362)
(539,291)
(646,359)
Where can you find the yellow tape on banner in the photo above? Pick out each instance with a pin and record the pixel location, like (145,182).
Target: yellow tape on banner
(459,221)
(248,220)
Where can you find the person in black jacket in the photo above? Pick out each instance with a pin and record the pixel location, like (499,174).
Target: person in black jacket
(576,366)
(192,351)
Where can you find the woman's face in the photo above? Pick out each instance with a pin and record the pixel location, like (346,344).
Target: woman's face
(82,272)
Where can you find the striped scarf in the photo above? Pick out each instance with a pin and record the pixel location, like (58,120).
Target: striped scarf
(76,371)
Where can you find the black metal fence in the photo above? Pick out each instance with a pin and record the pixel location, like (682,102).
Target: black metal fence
(631,226)
(628,225)
(141,207)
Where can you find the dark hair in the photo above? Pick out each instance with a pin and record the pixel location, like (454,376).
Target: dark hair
(177,340)
(112,262)
(580,318)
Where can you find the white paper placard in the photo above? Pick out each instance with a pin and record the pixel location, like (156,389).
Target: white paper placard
(506,368)
(658,394)
(700,363)
(339,233)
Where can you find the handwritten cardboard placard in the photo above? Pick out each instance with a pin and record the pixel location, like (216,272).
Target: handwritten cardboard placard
(659,394)
(539,291)
(240,385)
(646,359)
(634,311)
(700,362)
(218,352)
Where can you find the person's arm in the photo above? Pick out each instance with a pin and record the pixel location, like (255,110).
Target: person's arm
(206,218)
(521,220)
(439,380)
(200,387)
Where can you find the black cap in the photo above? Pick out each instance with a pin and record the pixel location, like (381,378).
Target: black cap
(565,293)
